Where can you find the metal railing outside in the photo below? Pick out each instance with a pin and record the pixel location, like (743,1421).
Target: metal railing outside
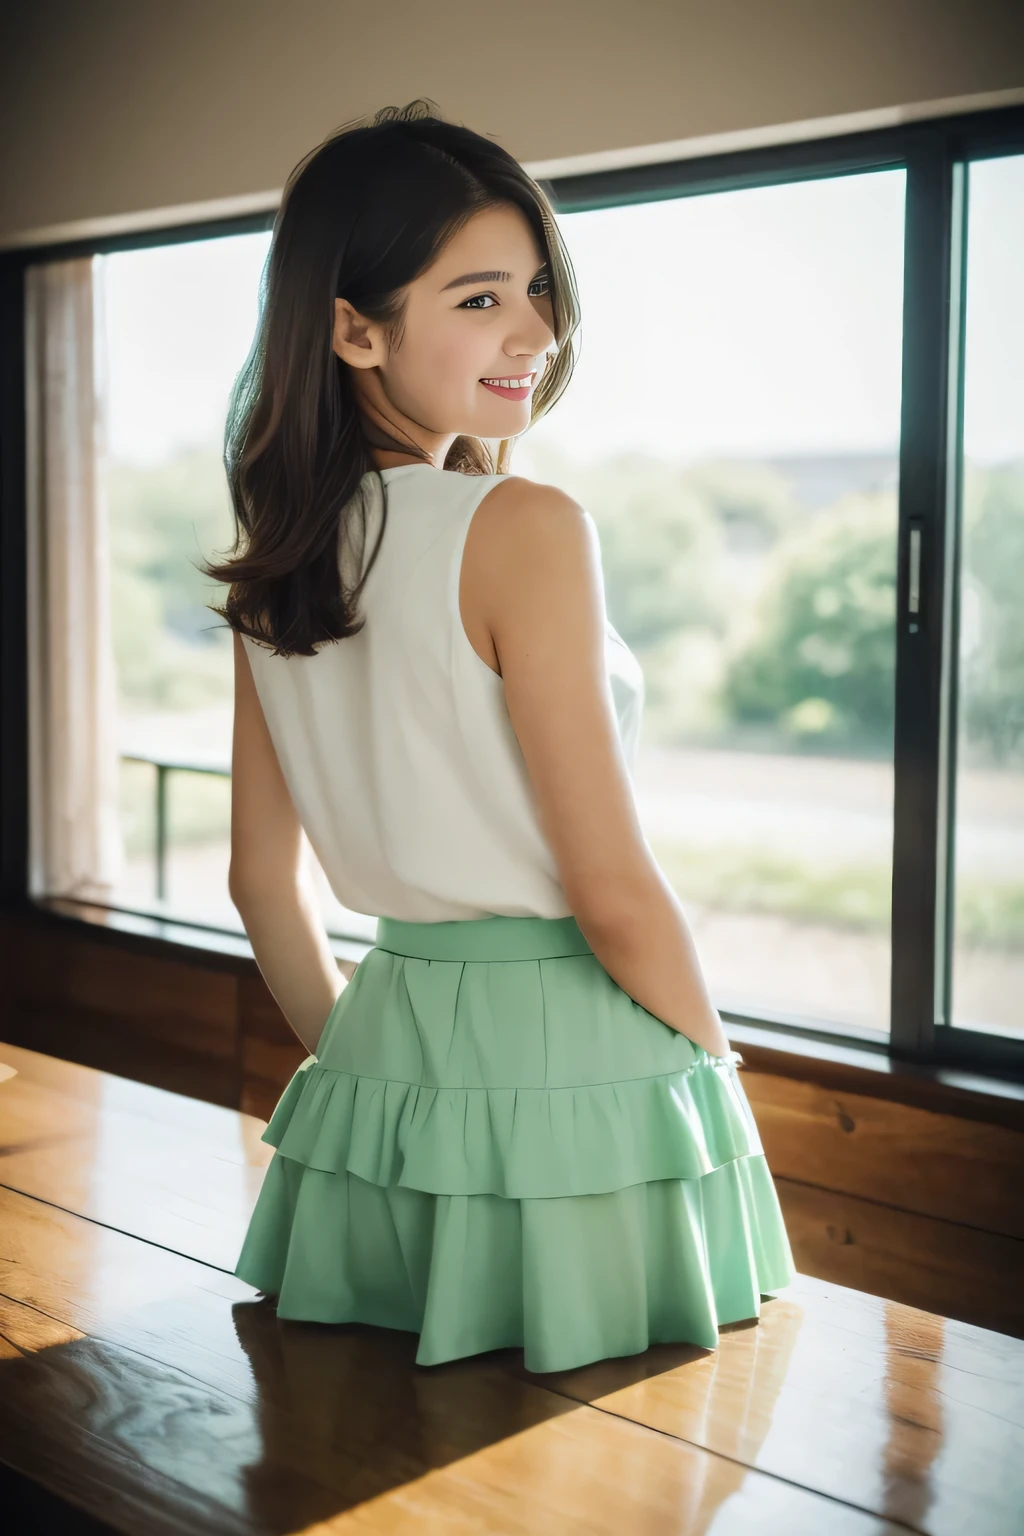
(165,766)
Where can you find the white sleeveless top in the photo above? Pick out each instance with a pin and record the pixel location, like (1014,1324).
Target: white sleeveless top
(396,744)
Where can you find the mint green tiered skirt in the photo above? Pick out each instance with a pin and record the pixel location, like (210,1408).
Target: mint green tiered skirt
(495,1146)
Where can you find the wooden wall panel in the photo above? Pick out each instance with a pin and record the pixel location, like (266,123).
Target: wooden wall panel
(914,1159)
(186,1006)
(150,1017)
(97,1040)
(975,1277)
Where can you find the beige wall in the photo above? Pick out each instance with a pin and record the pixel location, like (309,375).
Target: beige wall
(113,108)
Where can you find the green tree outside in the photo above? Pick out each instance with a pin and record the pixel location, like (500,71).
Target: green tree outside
(821,663)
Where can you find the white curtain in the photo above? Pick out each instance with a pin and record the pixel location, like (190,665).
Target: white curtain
(74,835)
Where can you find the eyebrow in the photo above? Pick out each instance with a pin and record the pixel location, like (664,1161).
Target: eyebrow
(477,277)
(487,277)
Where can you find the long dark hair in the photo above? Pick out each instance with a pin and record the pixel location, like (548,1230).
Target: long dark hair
(362,215)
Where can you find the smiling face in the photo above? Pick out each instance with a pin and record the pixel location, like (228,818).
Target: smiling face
(481,312)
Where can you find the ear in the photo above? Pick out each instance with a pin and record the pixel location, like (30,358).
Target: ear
(357,341)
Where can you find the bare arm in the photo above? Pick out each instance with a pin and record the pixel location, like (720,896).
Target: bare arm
(267,879)
(538,565)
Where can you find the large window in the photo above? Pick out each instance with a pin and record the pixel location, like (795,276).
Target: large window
(797,419)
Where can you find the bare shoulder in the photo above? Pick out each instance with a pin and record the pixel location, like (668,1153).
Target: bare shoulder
(524,523)
(517,498)
(530,551)
(533,568)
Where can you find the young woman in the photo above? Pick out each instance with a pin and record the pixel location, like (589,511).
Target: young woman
(520,1123)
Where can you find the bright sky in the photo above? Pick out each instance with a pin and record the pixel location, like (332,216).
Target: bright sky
(764,321)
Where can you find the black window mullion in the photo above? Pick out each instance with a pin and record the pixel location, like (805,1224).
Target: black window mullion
(921,761)
(957,331)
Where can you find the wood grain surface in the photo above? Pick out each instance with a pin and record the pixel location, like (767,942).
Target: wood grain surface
(145,1389)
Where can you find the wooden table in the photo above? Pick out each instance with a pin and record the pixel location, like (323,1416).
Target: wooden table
(145,1389)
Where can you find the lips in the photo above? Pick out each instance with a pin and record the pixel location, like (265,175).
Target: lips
(510,388)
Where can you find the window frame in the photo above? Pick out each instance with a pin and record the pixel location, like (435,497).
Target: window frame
(934,155)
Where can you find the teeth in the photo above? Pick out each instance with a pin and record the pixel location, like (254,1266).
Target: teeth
(510,383)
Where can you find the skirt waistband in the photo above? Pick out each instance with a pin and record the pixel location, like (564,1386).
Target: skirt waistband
(497,937)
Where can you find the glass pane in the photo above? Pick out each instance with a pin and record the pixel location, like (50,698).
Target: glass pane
(179,320)
(733,428)
(988,957)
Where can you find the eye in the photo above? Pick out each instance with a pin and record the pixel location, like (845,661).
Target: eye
(472,302)
(545,286)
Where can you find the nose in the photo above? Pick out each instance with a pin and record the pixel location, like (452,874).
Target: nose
(531,336)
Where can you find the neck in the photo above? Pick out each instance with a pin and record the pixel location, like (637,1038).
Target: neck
(393,437)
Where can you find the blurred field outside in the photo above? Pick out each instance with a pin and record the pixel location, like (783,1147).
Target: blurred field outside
(782,864)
